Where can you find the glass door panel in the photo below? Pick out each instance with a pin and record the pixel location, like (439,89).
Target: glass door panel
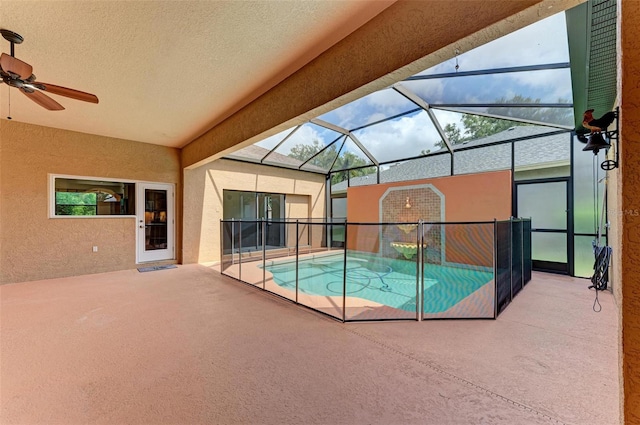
(545,202)
(549,247)
(253,207)
(155,219)
(250,229)
(155,222)
(271,209)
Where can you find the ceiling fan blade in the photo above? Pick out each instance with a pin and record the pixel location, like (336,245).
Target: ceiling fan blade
(43,100)
(64,91)
(16,66)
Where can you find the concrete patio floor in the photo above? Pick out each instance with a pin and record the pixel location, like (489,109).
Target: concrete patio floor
(189,346)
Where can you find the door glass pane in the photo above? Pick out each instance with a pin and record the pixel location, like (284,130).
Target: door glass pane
(545,203)
(339,207)
(249,229)
(155,218)
(549,247)
(271,209)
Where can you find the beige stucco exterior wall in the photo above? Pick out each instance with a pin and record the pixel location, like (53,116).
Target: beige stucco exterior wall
(34,246)
(627,249)
(613,233)
(203,197)
(298,206)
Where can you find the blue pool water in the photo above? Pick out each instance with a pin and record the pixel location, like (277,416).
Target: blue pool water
(386,281)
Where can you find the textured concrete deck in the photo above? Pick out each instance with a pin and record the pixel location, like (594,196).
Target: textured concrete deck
(189,346)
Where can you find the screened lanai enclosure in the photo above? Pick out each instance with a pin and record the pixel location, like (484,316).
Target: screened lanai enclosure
(486,135)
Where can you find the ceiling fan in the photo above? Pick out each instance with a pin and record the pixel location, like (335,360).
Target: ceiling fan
(19,74)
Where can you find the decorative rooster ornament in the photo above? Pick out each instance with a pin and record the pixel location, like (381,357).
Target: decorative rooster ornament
(594,125)
(597,125)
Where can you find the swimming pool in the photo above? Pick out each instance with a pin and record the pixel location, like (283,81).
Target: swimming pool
(389,282)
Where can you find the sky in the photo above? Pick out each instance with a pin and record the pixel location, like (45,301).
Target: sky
(544,42)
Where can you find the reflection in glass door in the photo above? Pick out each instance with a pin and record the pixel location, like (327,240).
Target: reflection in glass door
(546,203)
(253,207)
(250,229)
(271,209)
(155,222)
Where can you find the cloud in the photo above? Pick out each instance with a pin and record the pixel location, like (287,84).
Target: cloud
(428,90)
(371,108)
(399,138)
(388,141)
(271,141)
(447,117)
(549,85)
(304,135)
(542,42)
(546,85)
(389,101)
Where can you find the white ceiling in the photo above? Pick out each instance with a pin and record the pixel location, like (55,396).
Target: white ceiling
(166,71)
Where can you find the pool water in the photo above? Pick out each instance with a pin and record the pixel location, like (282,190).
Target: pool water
(385,281)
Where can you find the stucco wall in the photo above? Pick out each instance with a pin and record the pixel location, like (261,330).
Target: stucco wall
(34,246)
(627,251)
(471,197)
(203,199)
(614,217)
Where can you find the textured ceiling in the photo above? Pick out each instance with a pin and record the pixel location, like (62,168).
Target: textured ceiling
(166,71)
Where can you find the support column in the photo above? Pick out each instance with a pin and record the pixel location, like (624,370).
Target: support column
(625,213)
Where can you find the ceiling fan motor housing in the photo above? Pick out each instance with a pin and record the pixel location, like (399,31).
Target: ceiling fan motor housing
(18,74)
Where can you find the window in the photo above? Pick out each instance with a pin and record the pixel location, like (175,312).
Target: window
(92,197)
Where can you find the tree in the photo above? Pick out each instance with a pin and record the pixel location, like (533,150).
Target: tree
(532,113)
(453,133)
(347,161)
(304,151)
(478,126)
(327,158)
(75,203)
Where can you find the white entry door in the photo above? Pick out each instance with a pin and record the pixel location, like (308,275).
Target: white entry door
(155,222)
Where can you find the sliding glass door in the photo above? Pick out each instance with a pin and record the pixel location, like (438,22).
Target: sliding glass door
(255,206)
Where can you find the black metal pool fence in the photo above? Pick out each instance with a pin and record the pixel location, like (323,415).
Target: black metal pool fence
(383,271)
